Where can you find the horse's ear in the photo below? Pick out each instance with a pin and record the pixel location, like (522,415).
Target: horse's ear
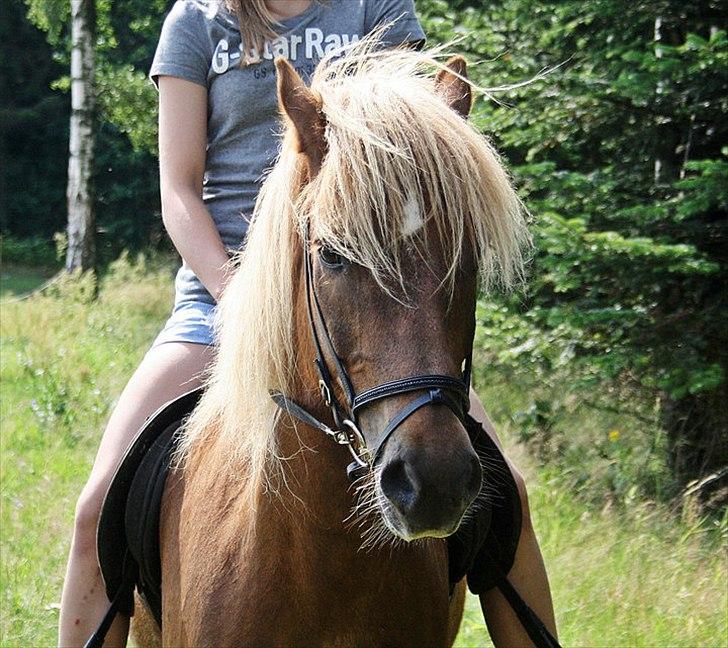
(303,109)
(453,89)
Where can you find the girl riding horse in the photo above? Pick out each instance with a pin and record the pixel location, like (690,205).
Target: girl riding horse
(217,113)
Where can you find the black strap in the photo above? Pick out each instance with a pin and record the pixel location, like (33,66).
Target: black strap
(96,640)
(312,304)
(433,397)
(534,627)
(294,409)
(411,384)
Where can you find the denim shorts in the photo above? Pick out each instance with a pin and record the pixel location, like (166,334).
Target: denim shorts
(191,321)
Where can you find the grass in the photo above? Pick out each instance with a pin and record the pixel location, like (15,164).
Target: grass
(637,578)
(16,280)
(634,576)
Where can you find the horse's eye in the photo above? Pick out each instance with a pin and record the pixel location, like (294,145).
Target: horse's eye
(330,258)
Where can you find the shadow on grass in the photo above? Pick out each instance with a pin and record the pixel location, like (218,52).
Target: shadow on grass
(17,280)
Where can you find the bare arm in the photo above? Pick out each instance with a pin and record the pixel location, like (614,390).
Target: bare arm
(182,144)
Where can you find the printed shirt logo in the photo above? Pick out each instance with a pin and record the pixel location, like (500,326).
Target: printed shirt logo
(312,45)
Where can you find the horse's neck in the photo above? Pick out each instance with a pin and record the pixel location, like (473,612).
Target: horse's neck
(292,559)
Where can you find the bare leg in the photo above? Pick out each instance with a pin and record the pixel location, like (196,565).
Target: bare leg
(528,574)
(167,371)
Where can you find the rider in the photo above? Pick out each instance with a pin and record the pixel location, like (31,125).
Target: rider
(217,118)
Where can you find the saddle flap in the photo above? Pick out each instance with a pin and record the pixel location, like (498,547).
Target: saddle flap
(111,540)
(144,504)
(484,546)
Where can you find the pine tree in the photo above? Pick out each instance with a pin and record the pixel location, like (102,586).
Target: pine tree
(620,155)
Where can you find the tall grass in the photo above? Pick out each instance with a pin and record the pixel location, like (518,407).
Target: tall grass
(635,577)
(622,575)
(64,359)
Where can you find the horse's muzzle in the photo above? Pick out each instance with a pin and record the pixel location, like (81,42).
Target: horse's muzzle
(425,493)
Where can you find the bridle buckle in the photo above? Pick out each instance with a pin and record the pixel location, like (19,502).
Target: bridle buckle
(325,392)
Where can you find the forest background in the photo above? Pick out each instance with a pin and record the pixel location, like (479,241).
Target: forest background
(607,370)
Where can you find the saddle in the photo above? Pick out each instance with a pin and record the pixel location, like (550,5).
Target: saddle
(128,530)
(482,549)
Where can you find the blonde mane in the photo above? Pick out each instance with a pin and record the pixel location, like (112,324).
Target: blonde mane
(392,146)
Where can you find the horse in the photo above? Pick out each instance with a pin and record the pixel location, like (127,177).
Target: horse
(384,211)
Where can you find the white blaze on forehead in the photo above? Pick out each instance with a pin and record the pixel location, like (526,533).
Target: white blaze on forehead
(412,220)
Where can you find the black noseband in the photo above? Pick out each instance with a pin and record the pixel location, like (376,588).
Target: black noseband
(439,390)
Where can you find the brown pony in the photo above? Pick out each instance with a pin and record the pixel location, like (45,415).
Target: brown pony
(400,203)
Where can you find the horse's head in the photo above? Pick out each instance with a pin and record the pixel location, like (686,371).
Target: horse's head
(369,235)
(391,283)
(426,472)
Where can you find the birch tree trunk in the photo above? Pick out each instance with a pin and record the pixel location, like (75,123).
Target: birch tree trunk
(79,193)
(658,54)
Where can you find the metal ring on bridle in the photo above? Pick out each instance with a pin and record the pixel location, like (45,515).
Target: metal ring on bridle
(358,438)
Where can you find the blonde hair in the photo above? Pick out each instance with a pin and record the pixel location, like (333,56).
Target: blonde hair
(256,24)
(392,145)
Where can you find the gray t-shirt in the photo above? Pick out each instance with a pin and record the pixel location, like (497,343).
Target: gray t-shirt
(200,42)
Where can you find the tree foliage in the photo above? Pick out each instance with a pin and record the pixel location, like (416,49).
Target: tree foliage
(618,155)
(35,122)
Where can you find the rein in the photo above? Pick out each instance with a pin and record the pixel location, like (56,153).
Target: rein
(439,389)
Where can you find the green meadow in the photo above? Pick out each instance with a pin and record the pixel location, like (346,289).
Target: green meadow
(641,574)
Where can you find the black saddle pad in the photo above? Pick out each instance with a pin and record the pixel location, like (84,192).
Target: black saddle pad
(128,530)
(484,546)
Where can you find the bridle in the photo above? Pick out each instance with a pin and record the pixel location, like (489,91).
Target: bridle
(438,389)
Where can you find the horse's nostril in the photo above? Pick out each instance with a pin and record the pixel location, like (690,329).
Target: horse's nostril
(397,486)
